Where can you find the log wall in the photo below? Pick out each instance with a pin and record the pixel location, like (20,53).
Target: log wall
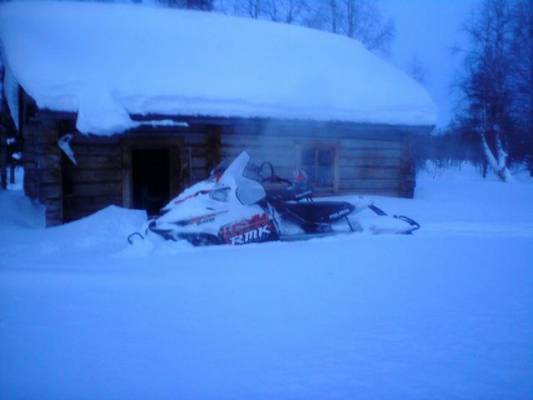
(95,181)
(43,179)
(367,160)
(102,175)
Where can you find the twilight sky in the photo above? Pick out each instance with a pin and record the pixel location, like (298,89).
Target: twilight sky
(426,30)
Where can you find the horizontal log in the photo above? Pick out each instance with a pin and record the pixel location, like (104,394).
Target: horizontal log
(369,184)
(258,140)
(369,192)
(278,160)
(199,162)
(285,154)
(79,175)
(198,175)
(48,160)
(293,147)
(28,158)
(194,151)
(371,153)
(369,173)
(323,191)
(370,162)
(44,136)
(50,191)
(281,148)
(82,139)
(53,205)
(316,130)
(49,176)
(46,148)
(97,189)
(53,156)
(198,139)
(53,219)
(357,144)
(31,188)
(161,132)
(96,150)
(76,175)
(407,187)
(347,143)
(30,173)
(76,215)
(74,204)
(284,172)
(260,156)
(98,161)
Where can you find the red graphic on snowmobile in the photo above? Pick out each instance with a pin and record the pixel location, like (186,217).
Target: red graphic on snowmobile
(259,228)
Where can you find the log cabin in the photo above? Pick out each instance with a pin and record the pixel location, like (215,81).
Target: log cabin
(152,99)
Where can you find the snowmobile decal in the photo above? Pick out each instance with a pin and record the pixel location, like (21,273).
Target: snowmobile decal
(340,213)
(258,228)
(202,219)
(200,192)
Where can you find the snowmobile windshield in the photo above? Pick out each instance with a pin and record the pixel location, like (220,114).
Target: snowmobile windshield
(249,191)
(236,169)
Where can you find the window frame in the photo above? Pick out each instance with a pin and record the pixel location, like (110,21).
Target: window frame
(317,146)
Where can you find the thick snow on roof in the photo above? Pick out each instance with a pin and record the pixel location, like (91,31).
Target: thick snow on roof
(109,61)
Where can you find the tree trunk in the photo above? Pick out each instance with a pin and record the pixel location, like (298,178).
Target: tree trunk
(497,160)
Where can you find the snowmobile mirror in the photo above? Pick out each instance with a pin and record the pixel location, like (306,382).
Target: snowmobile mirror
(249,191)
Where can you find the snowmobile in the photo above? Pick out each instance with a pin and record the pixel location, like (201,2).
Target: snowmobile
(245,203)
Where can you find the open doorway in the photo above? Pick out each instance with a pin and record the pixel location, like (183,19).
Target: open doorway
(151,179)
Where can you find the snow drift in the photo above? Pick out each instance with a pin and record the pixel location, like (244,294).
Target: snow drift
(444,314)
(109,61)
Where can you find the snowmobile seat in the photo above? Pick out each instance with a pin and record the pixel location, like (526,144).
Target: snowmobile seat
(322,212)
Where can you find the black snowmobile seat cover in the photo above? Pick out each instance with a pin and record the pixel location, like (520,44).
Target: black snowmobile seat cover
(322,212)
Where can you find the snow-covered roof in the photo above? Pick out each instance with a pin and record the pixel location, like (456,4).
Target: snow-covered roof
(109,61)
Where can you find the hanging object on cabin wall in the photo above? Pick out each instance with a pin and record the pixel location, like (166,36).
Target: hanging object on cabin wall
(64,144)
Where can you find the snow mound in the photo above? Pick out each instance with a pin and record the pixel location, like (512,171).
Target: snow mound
(18,211)
(105,226)
(144,60)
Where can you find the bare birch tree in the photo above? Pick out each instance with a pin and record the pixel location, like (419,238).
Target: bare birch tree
(358,19)
(522,80)
(205,5)
(418,71)
(486,85)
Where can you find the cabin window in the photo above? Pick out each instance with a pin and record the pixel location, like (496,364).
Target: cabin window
(319,164)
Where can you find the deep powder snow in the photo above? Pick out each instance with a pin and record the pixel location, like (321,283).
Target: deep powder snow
(443,314)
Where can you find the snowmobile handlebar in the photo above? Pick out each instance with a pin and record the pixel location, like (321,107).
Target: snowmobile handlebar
(262,166)
(272,177)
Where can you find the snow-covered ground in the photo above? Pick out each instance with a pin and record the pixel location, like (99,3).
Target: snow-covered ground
(444,314)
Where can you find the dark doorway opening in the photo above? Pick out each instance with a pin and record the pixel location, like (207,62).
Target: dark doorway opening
(151,179)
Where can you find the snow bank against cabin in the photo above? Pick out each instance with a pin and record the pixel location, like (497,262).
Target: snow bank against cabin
(108,61)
